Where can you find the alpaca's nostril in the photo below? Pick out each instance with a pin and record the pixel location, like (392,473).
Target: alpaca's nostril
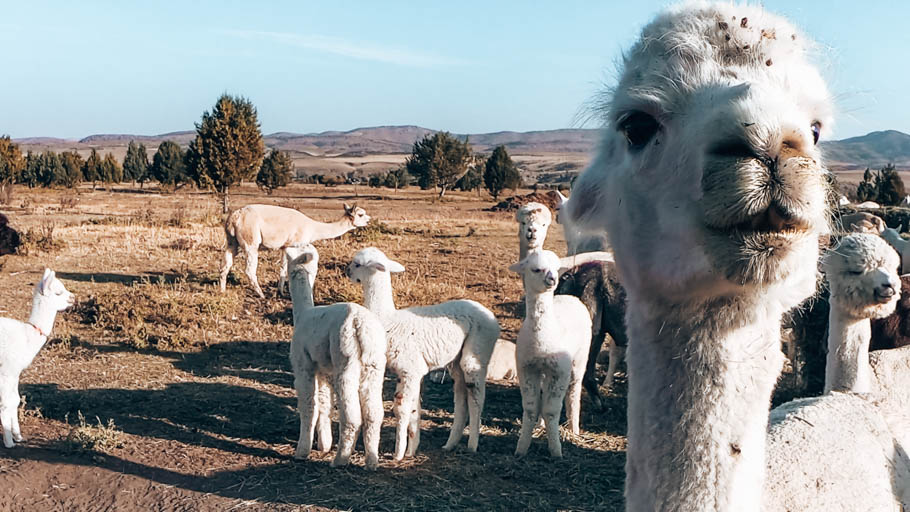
(886,291)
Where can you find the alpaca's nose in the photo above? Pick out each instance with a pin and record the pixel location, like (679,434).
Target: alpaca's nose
(886,290)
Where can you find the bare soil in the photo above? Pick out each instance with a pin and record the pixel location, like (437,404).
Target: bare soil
(197,384)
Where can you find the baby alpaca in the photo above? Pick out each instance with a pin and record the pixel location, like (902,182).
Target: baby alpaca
(343,344)
(20,343)
(458,334)
(533,222)
(551,351)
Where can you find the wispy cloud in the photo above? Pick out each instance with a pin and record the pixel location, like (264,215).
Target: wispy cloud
(353,49)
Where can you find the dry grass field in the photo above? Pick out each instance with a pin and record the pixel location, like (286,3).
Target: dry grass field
(157,392)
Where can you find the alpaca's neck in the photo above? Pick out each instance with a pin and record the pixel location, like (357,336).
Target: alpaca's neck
(537,306)
(301,294)
(847,367)
(377,294)
(43,315)
(700,383)
(326,230)
(525,246)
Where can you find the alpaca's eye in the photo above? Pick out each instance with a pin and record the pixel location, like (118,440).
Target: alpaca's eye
(536,270)
(816,131)
(639,128)
(357,265)
(855,272)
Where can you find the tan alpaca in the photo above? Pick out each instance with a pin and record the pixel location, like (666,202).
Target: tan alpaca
(710,186)
(274,227)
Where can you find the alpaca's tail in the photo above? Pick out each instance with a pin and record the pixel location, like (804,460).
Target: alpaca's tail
(230,229)
(370,336)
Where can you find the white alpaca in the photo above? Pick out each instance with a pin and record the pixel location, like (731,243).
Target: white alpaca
(860,222)
(578,241)
(551,351)
(458,334)
(902,246)
(871,205)
(274,227)
(710,185)
(20,343)
(533,222)
(342,345)
(846,450)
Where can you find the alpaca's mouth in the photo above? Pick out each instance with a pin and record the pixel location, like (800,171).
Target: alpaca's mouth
(774,220)
(883,297)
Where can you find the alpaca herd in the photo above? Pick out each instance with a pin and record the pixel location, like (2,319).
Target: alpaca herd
(695,228)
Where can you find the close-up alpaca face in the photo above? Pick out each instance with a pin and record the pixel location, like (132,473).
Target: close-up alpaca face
(712,147)
(541,271)
(862,274)
(357,215)
(52,287)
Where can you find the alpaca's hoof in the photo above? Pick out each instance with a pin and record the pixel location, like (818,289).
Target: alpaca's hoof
(18,438)
(337,462)
(520,454)
(372,462)
(9,444)
(301,455)
(449,446)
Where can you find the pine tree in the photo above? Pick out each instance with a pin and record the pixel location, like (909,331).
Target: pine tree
(111,170)
(91,169)
(500,172)
(890,186)
(71,167)
(29,175)
(168,165)
(438,160)
(50,169)
(11,165)
(228,147)
(136,163)
(397,178)
(276,171)
(865,191)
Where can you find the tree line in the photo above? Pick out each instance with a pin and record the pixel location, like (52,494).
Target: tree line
(228,148)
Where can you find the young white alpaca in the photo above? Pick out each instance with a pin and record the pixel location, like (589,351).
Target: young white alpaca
(458,334)
(710,185)
(533,222)
(846,451)
(342,345)
(551,351)
(860,222)
(893,237)
(578,241)
(20,343)
(274,227)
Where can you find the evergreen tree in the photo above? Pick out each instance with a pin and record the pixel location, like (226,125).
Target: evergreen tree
(29,175)
(50,169)
(11,166)
(228,147)
(111,171)
(890,186)
(470,181)
(136,163)
(168,165)
(866,189)
(438,160)
(91,169)
(276,171)
(71,165)
(397,178)
(500,172)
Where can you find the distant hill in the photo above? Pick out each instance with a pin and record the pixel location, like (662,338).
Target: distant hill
(872,150)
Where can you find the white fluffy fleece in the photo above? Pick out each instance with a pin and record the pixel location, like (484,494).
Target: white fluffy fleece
(340,345)
(458,334)
(20,342)
(551,351)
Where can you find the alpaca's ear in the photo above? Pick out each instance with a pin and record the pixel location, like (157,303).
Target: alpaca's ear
(307,257)
(45,281)
(347,208)
(517,267)
(394,266)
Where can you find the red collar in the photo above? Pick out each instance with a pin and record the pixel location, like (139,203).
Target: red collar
(37,329)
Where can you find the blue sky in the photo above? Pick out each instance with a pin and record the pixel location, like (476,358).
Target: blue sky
(77,68)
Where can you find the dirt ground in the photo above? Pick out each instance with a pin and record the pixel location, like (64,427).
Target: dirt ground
(157,392)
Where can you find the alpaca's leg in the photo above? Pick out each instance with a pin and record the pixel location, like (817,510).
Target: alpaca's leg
(476,383)
(346,387)
(414,425)
(306,406)
(554,391)
(252,262)
(230,252)
(17,433)
(283,274)
(573,405)
(408,388)
(371,410)
(530,404)
(461,407)
(616,355)
(324,415)
(590,377)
